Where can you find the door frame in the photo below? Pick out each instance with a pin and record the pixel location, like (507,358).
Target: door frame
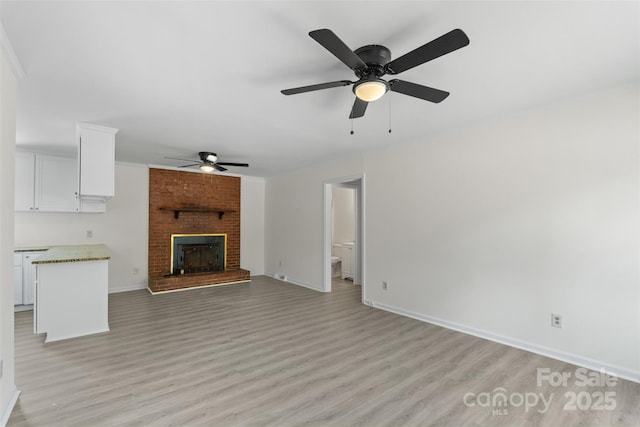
(357,182)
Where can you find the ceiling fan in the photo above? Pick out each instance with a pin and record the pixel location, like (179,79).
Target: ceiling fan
(209,162)
(371,62)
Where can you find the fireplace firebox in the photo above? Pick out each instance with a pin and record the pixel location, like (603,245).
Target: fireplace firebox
(196,253)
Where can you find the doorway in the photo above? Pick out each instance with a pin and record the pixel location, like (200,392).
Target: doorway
(341,239)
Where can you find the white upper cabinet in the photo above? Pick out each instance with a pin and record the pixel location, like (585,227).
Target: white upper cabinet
(56,184)
(49,183)
(24,181)
(97,162)
(45,183)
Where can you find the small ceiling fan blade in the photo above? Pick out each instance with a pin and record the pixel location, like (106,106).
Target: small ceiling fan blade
(358,109)
(418,91)
(444,44)
(188,166)
(333,44)
(184,160)
(242,165)
(218,167)
(320,86)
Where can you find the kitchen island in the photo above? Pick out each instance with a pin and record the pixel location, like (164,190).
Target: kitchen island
(71,292)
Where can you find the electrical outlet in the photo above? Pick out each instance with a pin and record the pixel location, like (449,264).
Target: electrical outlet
(556,320)
(385,285)
(280,263)
(89,234)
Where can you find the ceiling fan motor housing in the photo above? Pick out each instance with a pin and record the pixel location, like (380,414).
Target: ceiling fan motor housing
(370,86)
(376,57)
(204,156)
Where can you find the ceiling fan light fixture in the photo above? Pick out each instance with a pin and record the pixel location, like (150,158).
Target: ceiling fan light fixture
(207,168)
(371,90)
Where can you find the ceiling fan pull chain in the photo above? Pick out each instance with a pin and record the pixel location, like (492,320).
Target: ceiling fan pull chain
(350,99)
(389,96)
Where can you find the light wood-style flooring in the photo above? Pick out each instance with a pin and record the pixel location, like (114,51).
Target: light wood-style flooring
(269,353)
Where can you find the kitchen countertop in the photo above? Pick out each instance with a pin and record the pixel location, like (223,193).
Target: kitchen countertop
(31,248)
(73,253)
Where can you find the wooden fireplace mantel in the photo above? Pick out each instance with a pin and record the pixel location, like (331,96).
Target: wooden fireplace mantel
(177,211)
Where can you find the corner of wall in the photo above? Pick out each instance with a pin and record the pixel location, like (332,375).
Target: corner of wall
(8,84)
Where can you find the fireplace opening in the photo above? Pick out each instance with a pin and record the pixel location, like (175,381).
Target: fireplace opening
(196,253)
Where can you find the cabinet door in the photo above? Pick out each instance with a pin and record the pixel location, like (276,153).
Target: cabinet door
(56,184)
(97,157)
(346,262)
(24,185)
(17,278)
(28,276)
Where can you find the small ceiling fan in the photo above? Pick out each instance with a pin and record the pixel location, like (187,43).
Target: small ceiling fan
(209,162)
(371,62)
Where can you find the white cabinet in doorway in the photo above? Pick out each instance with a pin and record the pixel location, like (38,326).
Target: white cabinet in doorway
(348,261)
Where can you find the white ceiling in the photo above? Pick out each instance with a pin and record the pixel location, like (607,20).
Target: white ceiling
(181,77)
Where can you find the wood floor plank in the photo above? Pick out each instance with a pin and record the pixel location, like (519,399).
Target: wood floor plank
(268,353)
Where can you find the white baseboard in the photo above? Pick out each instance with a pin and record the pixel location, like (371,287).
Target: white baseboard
(294,282)
(572,358)
(127,288)
(7,413)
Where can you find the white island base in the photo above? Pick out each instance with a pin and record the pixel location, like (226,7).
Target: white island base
(71,299)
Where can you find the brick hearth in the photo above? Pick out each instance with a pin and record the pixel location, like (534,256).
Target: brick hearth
(199,199)
(160,284)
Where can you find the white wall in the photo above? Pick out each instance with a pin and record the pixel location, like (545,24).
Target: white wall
(123,228)
(8,92)
(492,227)
(252,224)
(343,205)
(294,222)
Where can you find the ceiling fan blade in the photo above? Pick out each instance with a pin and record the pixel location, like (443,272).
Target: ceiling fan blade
(418,91)
(242,165)
(444,44)
(320,86)
(333,44)
(218,167)
(184,160)
(358,109)
(188,166)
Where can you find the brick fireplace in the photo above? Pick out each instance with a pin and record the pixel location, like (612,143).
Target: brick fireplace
(194,205)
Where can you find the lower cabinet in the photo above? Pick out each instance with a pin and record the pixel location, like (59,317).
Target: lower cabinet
(347,261)
(17,278)
(24,277)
